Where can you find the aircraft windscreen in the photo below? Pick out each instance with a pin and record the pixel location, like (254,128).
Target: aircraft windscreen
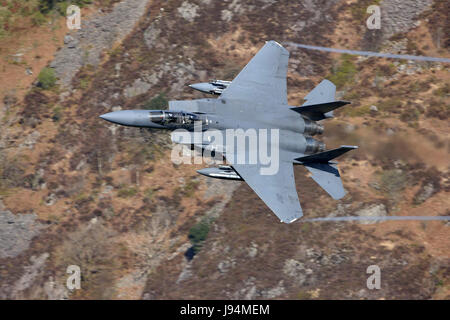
(168,117)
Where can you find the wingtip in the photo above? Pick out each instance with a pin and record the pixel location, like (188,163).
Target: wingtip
(295,219)
(292,219)
(275,43)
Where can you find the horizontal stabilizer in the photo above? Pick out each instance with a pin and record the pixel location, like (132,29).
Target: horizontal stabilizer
(324,157)
(325,91)
(327,176)
(317,112)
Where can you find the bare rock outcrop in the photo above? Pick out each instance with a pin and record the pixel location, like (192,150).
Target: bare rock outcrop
(16,232)
(96,35)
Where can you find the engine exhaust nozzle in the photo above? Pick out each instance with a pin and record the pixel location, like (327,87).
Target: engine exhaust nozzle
(314,146)
(312,128)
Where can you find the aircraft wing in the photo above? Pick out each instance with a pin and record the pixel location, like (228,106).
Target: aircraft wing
(263,79)
(277,191)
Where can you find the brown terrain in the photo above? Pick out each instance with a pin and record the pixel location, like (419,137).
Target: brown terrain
(75,190)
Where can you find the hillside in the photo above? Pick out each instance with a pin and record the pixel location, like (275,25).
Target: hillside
(77,190)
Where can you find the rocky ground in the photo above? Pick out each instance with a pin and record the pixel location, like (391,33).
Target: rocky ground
(77,190)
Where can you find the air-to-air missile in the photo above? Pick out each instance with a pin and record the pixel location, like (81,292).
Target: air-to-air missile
(213,87)
(222,172)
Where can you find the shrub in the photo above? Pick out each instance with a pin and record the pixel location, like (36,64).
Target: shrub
(38,18)
(127,192)
(198,234)
(190,187)
(57,113)
(47,78)
(344,72)
(5,16)
(46,6)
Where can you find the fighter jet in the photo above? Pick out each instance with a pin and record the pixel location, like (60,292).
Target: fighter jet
(257,100)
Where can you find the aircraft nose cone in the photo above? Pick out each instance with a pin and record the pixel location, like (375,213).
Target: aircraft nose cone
(136,118)
(110,116)
(120,117)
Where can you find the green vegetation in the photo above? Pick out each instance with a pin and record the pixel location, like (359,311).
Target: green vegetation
(47,78)
(190,187)
(344,72)
(84,83)
(85,76)
(81,197)
(198,233)
(46,6)
(5,16)
(159,102)
(38,18)
(393,105)
(15,13)
(57,113)
(125,192)
(356,111)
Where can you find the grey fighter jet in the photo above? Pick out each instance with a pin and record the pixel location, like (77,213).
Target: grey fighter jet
(257,99)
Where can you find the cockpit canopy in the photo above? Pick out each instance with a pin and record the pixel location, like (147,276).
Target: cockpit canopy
(175,118)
